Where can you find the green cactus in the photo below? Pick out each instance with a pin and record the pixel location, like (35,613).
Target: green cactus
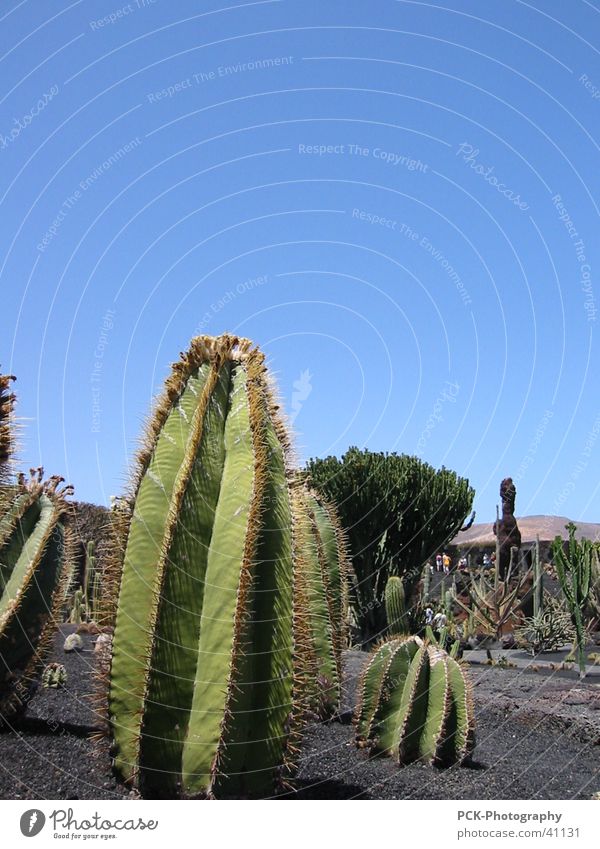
(594,595)
(538,581)
(336,566)
(211,645)
(415,704)
(54,676)
(395,607)
(35,564)
(574,571)
(91,584)
(7,401)
(320,548)
(426,586)
(77,614)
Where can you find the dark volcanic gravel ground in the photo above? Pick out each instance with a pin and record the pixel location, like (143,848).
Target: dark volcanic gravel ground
(537,738)
(532,743)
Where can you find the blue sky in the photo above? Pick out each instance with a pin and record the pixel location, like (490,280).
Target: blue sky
(397,200)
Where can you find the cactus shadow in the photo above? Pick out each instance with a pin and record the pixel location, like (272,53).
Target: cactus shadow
(329,789)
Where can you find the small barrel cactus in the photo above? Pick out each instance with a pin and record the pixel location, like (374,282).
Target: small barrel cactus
(415,704)
(35,573)
(54,676)
(210,653)
(395,607)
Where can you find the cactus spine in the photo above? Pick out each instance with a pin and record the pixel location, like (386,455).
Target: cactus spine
(395,607)
(211,636)
(415,704)
(574,568)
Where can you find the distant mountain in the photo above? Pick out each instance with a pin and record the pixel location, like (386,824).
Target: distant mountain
(546,526)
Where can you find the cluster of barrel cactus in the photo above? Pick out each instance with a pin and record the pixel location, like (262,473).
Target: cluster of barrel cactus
(227,596)
(415,704)
(35,557)
(228,589)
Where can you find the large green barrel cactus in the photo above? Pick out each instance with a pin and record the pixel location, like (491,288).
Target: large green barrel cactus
(415,704)
(35,572)
(210,639)
(321,554)
(395,607)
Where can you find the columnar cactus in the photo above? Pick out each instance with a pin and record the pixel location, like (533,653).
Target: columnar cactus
(211,640)
(395,607)
(426,584)
(415,704)
(538,581)
(91,584)
(574,569)
(35,558)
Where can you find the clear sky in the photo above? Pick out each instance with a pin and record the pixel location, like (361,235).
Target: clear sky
(397,200)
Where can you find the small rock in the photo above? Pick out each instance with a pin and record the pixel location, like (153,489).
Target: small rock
(102,642)
(73,643)
(576,697)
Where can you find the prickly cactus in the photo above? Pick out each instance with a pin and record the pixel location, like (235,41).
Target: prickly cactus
(54,676)
(35,564)
(76,616)
(7,400)
(395,607)
(415,704)
(320,553)
(573,563)
(211,643)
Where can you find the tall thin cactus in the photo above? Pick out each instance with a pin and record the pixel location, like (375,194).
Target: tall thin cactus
(7,402)
(395,607)
(538,581)
(91,583)
(426,584)
(573,564)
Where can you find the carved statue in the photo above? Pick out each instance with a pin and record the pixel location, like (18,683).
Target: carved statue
(507,530)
